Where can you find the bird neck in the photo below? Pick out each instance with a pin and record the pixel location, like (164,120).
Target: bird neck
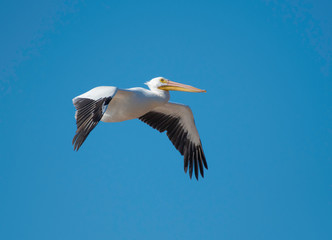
(162,94)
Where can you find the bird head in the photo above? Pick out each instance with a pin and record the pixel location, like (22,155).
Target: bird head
(167,85)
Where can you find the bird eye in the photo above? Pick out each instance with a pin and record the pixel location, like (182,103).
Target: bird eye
(163,80)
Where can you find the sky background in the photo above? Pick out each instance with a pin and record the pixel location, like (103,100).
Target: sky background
(265,121)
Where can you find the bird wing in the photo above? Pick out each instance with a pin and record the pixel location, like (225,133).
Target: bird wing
(90,107)
(178,121)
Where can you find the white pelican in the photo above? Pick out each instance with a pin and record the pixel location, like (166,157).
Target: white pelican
(111,104)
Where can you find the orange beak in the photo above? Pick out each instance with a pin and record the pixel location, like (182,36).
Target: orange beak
(174,86)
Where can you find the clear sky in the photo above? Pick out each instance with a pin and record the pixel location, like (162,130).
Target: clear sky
(265,121)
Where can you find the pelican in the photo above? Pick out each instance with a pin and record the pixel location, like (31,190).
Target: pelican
(111,104)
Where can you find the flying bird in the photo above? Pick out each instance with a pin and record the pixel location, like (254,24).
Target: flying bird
(111,104)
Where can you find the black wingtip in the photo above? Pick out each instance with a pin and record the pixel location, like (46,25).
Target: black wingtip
(79,138)
(89,113)
(192,152)
(76,142)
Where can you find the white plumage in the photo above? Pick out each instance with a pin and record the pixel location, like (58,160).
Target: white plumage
(110,104)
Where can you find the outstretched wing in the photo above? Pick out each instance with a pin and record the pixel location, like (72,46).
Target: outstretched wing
(90,107)
(178,121)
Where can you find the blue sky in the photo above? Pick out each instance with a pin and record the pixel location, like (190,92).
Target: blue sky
(265,121)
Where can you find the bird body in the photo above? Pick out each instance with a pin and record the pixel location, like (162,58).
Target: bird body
(132,103)
(110,104)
